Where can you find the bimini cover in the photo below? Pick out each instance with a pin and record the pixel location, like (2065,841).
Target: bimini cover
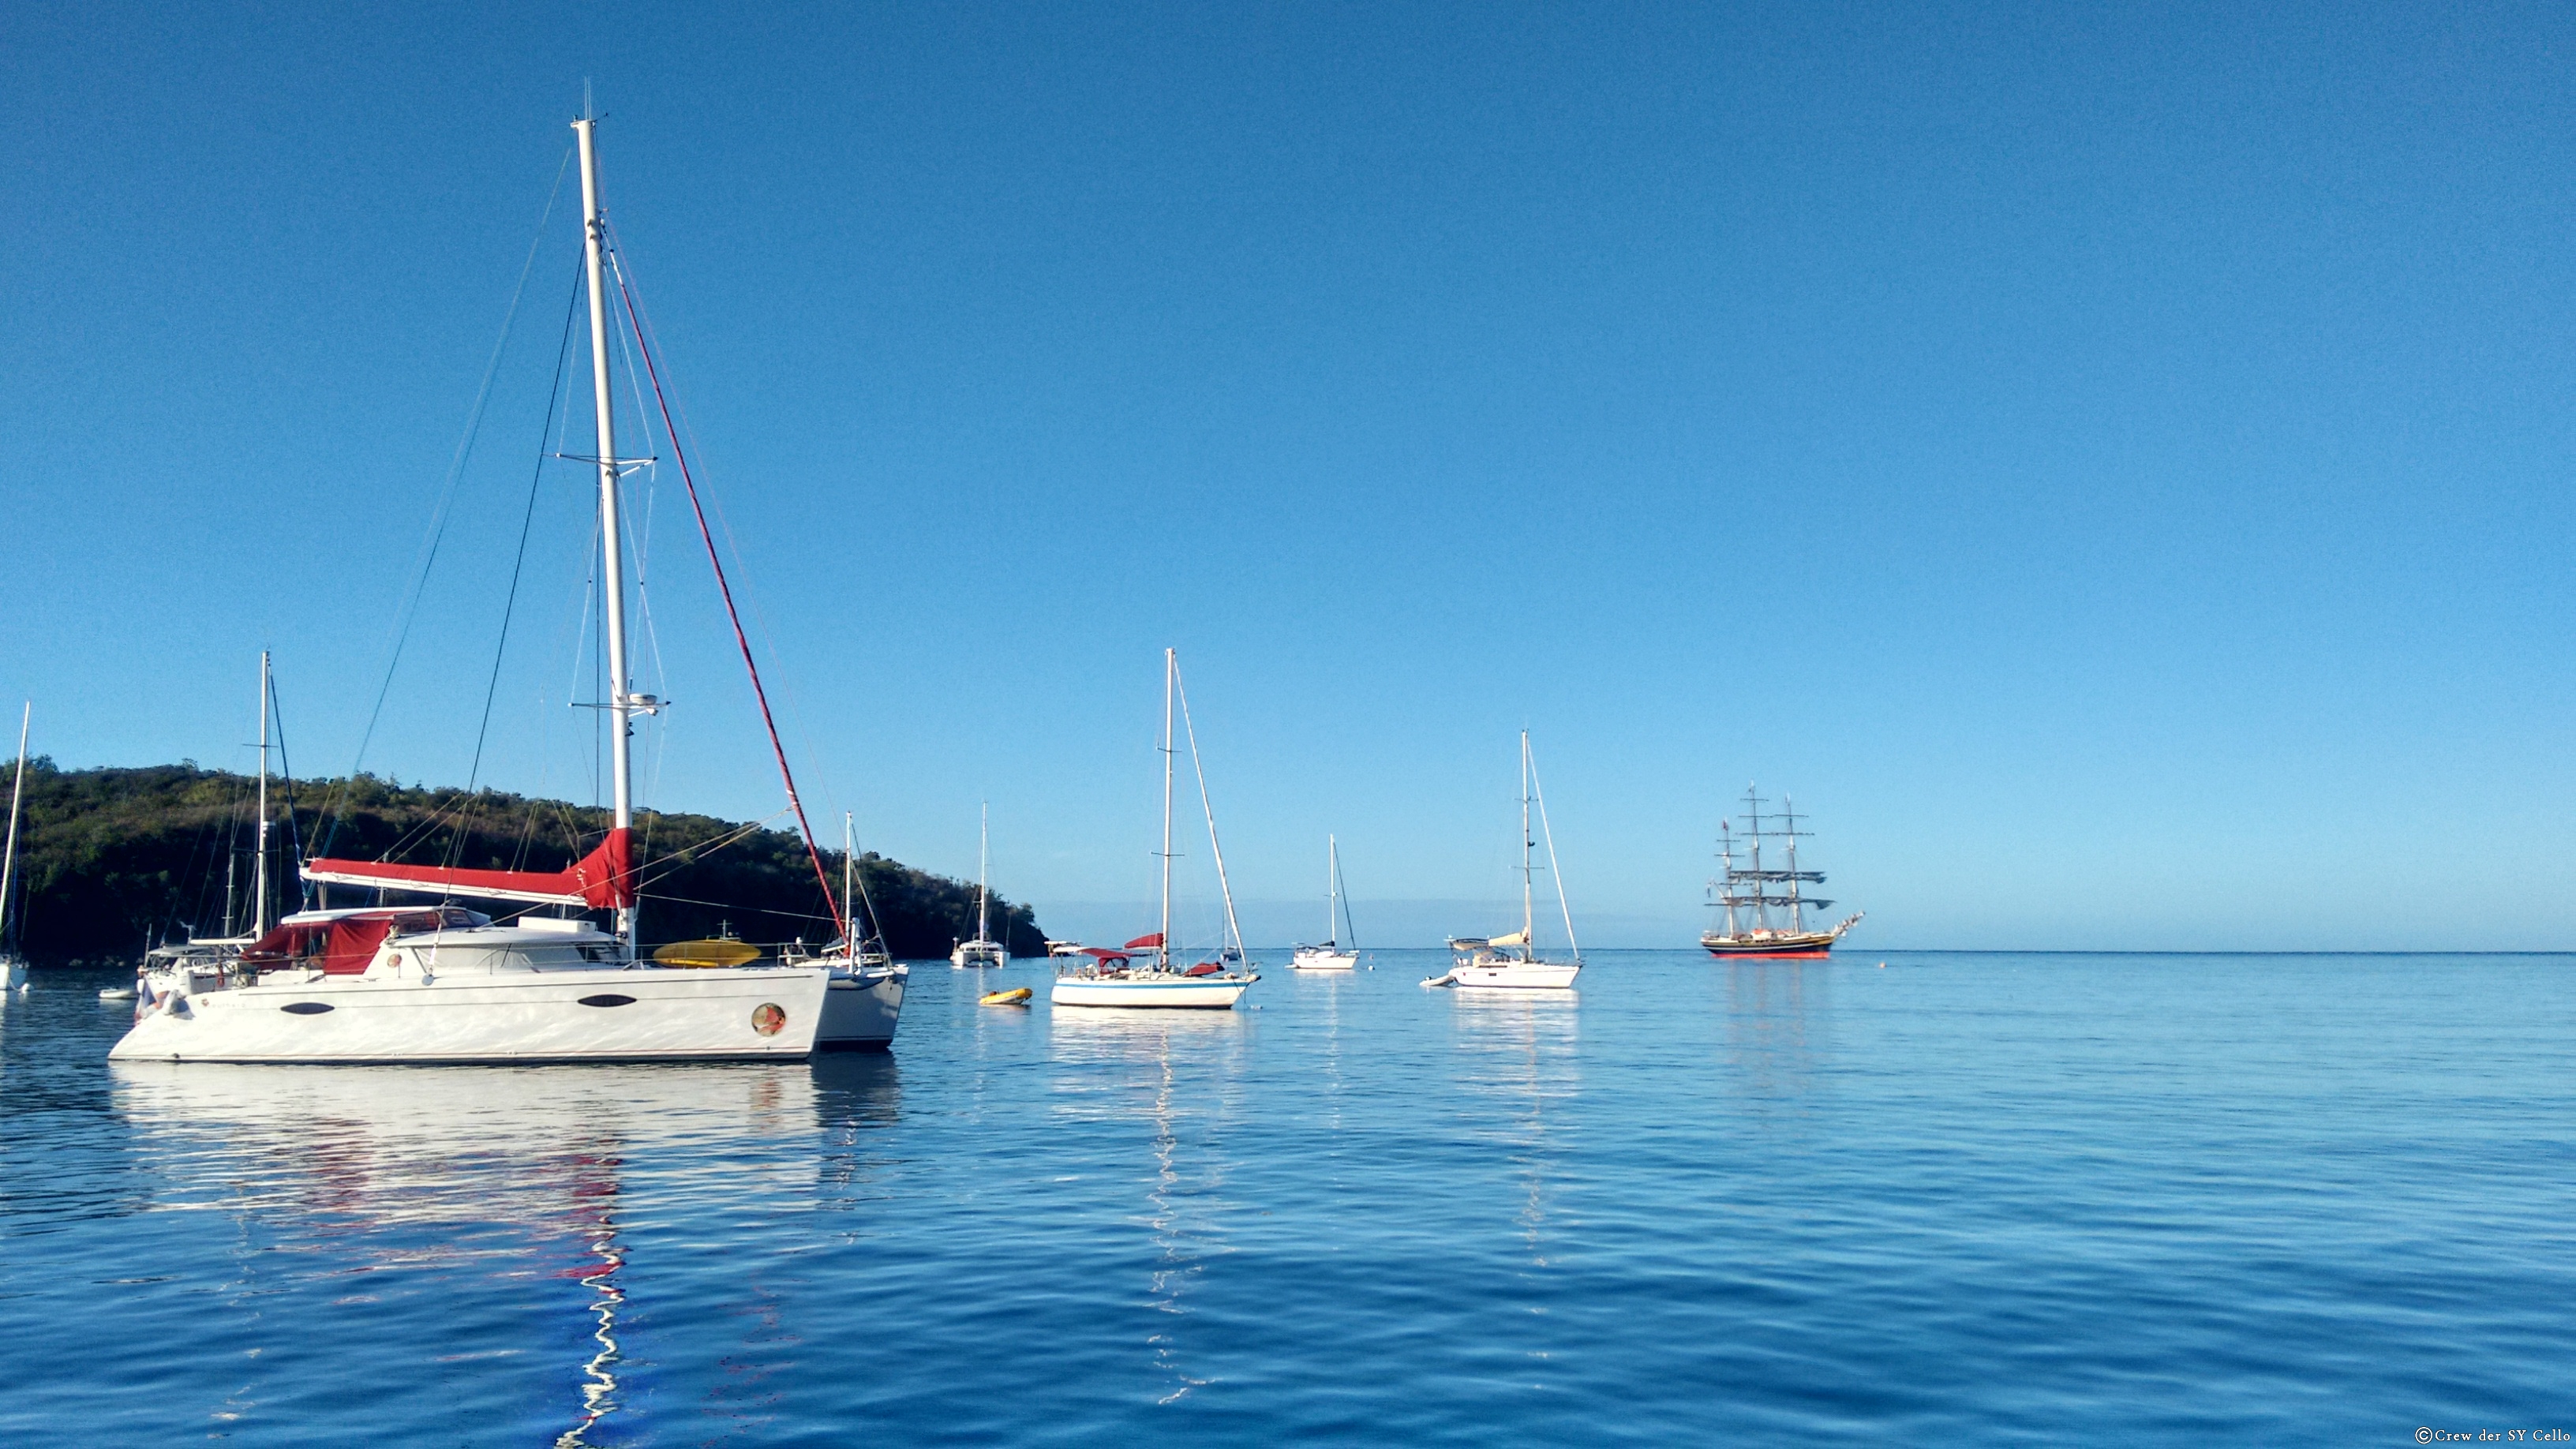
(344,945)
(602,879)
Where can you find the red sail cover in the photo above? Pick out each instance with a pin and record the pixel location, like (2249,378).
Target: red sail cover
(1145,943)
(602,879)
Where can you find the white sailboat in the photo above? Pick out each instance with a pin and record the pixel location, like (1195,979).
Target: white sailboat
(1123,977)
(1337,923)
(439,983)
(983,950)
(865,998)
(1512,962)
(12,964)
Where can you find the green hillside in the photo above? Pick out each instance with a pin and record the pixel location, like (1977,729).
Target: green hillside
(115,858)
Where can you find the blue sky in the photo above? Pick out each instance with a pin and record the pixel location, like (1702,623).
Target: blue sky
(2109,465)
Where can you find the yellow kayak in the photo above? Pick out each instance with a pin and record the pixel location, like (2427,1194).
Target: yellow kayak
(707,953)
(1016,996)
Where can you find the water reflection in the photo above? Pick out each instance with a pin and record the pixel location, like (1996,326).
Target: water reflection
(1522,1047)
(1175,1070)
(855,1094)
(363,1157)
(1767,1005)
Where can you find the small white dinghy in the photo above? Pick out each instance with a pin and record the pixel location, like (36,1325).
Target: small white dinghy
(1512,963)
(1121,977)
(1337,923)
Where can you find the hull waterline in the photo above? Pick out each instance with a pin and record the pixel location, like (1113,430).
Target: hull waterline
(542,1016)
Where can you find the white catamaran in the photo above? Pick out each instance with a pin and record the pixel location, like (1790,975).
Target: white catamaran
(439,983)
(1122,977)
(1338,930)
(1512,962)
(983,950)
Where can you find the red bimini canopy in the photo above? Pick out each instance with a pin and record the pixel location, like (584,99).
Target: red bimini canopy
(1103,953)
(602,879)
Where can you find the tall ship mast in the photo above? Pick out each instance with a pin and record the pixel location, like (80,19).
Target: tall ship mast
(1762,909)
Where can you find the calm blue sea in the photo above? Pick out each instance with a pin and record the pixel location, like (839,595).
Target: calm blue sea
(1964,1198)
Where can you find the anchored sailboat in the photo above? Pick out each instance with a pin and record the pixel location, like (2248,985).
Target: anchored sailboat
(1512,962)
(12,964)
(983,950)
(866,995)
(1748,894)
(439,983)
(1123,977)
(1337,923)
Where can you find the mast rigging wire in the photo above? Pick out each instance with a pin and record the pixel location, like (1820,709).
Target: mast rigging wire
(725,587)
(404,616)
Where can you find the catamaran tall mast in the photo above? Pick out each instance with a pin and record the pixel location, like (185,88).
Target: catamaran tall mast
(1163,938)
(983,862)
(612,551)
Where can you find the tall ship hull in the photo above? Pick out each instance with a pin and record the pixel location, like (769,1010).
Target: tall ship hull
(1762,909)
(1806,945)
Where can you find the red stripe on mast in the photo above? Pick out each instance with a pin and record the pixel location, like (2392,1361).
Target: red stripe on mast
(644,349)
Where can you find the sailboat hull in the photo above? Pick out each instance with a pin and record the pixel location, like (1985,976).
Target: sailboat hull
(1197,993)
(1516,976)
(1312,960)
(860,1012)
(1812,947)
(539,1016)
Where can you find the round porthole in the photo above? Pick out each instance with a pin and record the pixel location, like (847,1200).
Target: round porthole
(767,1018)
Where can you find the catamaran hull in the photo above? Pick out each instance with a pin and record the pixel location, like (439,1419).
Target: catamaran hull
(553,1016)
(859,1015)
(1199,995)
(972,956)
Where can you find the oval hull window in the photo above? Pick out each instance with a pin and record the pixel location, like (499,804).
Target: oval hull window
(305,1008)
(767,1018)
(608,998)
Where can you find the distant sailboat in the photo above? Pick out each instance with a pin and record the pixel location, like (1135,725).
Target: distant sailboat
(1115,978)
(1337,924)
(11,962)
(1749,893)
(1512,962)
(983,950)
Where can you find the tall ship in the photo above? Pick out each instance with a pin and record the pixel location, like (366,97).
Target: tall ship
(1762,909)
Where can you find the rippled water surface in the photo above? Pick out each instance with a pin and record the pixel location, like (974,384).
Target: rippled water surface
(2151,1199)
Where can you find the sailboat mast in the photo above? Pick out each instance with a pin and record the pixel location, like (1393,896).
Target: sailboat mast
(259,867)
(1797,907)
(1753,827)
(612,551)
(983,860)
(1163,950)
(849,902)
(1529,919)
(1332,888)
(9,853)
